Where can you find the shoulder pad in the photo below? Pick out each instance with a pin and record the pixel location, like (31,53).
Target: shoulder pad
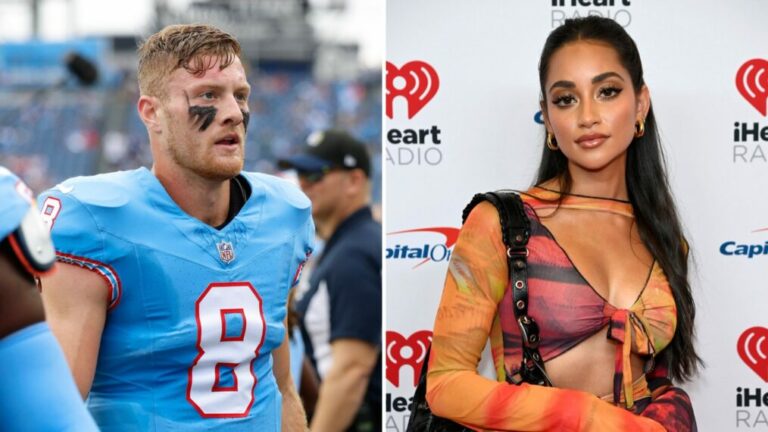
(280,188)
(104,190)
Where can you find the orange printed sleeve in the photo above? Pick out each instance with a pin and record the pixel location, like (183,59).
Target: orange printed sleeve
(475,284)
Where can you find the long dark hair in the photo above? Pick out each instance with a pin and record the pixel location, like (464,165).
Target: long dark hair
(647,185)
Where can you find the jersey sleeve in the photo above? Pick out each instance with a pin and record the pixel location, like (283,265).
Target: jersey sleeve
(475,284)
(78,239)
(354,288)
(304,244)
(295,210)
(37,392)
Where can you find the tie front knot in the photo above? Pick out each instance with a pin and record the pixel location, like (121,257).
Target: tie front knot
(631,334)
(626,327)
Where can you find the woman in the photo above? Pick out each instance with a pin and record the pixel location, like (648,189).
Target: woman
(607,264)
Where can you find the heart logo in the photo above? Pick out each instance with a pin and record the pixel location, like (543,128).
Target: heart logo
(753,350)
(416,81)
(752,82)
(410,351)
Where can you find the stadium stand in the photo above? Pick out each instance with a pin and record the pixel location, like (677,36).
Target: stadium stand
(52,127)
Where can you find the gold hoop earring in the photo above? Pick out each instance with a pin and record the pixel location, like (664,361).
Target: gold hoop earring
(639,128)
(551,143)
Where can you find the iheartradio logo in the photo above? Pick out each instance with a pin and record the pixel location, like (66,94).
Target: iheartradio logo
(752,82)
(416,81)
(753,350)
(410,351)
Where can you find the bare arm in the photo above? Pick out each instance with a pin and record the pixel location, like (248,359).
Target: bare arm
(75,302)
(20,304)
(343,387)
(310,386)
(293,418)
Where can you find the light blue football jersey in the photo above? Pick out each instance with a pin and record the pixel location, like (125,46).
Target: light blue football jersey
(194,312)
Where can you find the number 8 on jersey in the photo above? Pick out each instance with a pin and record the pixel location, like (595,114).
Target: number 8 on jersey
(230,332)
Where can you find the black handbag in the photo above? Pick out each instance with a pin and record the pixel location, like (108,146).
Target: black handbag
(515,231)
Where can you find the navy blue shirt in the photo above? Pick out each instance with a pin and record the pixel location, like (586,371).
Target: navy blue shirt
(344,296)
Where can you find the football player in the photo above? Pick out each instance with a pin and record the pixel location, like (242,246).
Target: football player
(171,300)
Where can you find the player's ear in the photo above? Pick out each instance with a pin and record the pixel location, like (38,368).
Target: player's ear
(357,179)
(148,107)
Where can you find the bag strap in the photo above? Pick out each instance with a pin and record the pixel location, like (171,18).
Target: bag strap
(515,232)
(515,226)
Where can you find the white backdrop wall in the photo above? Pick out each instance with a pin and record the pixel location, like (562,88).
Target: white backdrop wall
(476,100)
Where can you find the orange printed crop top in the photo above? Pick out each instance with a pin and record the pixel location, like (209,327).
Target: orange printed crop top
(476,304)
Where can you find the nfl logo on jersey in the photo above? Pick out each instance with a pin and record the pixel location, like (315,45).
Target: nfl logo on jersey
(226,252)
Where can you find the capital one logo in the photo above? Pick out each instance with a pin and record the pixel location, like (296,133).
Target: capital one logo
(410,351)
(749,250)
(416,81)
(424,252)
(752,82)
(753,350)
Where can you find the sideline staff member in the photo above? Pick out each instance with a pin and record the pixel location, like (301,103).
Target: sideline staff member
(341,311)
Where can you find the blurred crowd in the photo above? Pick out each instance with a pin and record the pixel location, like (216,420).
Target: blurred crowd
(47,136)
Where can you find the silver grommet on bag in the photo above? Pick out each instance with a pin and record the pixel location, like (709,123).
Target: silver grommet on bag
(520,304)
(510,253)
